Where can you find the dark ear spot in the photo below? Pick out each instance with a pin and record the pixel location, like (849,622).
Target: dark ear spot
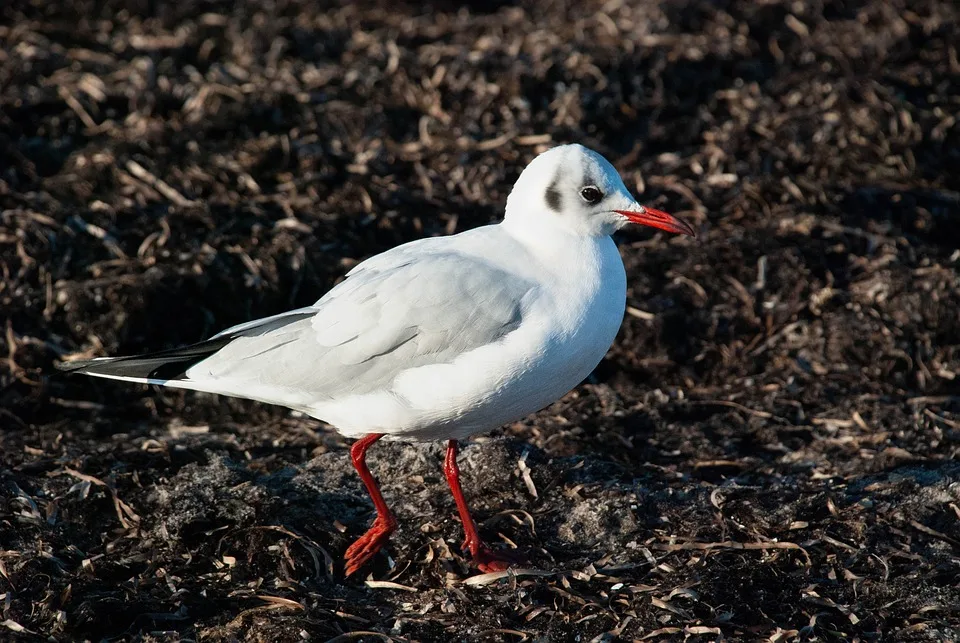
(552,195)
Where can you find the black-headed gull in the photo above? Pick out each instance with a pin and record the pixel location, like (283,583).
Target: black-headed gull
(439,338)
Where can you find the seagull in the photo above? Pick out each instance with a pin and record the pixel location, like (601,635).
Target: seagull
(440,338)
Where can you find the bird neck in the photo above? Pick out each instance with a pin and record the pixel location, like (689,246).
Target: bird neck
(538,229)
(541,225)
(557,246)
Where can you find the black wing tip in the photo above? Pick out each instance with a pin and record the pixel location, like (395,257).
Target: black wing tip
(78,365)
(163,365)
(173,364)
(141,367)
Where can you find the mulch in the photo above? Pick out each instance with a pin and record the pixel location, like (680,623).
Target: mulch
(769,451)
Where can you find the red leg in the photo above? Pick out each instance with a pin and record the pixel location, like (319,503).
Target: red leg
(484,559)
(376,537)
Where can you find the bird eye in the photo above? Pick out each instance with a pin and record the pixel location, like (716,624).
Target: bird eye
(591,194)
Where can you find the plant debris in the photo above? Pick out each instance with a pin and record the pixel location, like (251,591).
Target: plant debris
(769,452)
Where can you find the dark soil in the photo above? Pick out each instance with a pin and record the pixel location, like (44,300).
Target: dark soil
(769,452)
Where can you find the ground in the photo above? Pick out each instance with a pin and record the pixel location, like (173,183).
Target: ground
(768,452)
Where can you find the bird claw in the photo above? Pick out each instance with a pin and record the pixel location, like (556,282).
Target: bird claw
(486,560)
(367,545)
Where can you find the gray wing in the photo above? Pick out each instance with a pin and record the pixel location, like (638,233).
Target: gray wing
(398,311)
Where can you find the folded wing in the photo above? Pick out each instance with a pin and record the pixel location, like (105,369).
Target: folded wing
(399,311)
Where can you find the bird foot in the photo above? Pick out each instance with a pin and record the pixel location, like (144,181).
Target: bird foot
(486,560)
(367,545)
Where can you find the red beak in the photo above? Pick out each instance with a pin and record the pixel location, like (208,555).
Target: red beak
(658,219)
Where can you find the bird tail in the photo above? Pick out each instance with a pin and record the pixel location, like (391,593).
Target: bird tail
(162,367)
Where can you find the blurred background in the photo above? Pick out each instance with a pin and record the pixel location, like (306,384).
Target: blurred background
(168,169)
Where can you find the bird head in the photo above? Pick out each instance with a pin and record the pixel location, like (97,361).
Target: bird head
(577,189)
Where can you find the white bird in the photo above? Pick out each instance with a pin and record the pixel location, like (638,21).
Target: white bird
(439,338)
